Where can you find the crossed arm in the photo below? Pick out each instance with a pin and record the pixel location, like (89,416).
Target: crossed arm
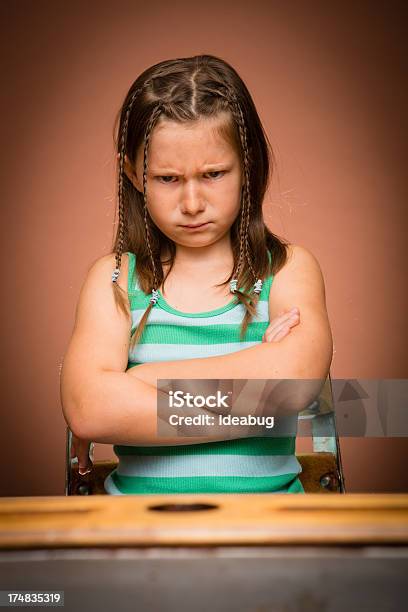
(305,353)
(303,356)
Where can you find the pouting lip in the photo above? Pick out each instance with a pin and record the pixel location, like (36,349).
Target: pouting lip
(198,224)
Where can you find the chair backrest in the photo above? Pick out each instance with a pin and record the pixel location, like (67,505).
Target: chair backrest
(319,421)
(322,470)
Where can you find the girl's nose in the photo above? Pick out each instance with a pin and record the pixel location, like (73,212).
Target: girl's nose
(191,202)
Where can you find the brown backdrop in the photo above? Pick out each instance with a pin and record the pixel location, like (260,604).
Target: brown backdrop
(327,79)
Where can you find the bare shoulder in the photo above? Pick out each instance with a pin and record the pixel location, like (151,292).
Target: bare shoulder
(97,310)
(301,256)
(299,282)
(300,262)
(101,270)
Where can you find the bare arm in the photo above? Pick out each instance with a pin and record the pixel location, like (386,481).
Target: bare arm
(123,410)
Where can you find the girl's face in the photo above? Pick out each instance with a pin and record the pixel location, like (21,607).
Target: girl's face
(193,178)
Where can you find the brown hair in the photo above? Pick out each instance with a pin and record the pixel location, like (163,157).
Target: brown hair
(184,90)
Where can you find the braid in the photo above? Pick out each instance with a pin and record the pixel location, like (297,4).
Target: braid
(122,227)
(155,296)
(154,116)
(246,205)
(243,135)
(231,99)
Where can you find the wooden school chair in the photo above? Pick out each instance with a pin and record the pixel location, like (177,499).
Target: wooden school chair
(322,470)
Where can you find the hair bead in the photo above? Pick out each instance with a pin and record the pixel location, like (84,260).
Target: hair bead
(233,285)
(115,275)
(155,297)
(258,286)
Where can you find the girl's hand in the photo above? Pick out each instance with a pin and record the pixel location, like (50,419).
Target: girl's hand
(80,449)
(280,327)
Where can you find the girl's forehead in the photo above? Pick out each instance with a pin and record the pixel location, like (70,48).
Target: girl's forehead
(208,129)
(171,140)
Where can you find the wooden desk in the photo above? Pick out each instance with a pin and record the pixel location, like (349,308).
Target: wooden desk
(245,552)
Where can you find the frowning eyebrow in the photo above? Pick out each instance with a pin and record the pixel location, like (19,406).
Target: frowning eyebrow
(206,168)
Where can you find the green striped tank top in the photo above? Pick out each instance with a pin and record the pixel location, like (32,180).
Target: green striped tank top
(243,465)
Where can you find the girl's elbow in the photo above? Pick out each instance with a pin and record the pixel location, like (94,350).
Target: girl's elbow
(78,418)
(310,375)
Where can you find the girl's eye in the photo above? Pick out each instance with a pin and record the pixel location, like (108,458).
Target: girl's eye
(165,177)
(217,173)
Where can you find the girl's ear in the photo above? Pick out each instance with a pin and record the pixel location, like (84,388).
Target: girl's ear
(131,173)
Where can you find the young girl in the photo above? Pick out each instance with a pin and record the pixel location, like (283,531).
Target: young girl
(188,291)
